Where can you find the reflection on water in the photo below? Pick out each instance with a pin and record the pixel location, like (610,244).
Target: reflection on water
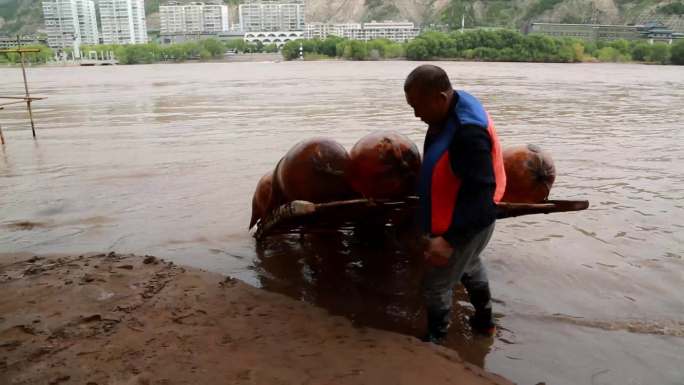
(373,280)
(163,159)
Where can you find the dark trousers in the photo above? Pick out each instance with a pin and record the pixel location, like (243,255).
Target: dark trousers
(464,266)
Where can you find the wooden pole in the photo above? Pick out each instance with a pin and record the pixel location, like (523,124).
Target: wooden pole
(28,96)
(22,98)
(297,212)
(2,138)
(512,210)
(17,102)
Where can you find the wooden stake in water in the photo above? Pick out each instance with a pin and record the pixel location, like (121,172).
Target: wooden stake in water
(2,138)
(28,96)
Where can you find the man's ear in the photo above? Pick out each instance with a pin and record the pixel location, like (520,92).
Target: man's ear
(444,95)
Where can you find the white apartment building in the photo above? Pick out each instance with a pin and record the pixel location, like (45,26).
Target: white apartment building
(272,15)
(172,18)
(391,30)
(70,23)
(215,18)
(193,18)
(123,21)
(322,30)
(87,21)
(394,31)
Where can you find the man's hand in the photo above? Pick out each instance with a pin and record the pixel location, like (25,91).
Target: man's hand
(438,252)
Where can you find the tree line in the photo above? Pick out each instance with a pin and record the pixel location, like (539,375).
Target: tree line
(151,52)
(192,50)
(337,47)
(489,45)
(479,45)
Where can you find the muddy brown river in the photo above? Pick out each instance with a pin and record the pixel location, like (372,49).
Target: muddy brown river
(163,160)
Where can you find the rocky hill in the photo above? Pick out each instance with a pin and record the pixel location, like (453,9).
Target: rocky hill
(498,13)
(25,16)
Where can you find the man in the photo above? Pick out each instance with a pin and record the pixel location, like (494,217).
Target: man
(462,177)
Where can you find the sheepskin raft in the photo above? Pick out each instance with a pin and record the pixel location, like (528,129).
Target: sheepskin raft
(297,215)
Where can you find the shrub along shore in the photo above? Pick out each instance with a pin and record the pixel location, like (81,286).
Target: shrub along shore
(497,45)
(477,45)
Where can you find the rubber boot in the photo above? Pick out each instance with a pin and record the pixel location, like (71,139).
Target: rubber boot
(482,322)
(438,325)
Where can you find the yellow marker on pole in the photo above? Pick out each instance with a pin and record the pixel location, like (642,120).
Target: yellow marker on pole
(27,96)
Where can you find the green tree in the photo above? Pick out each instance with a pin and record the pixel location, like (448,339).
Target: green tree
(138,53)
(240,45)
(486,54)
(214,47)
(591,48)
(271,48)
(290,50)
(376,48)
(660,53)
(329,46)
(393,51)
(677,52)
(417,49)
(621,46)
(640,50)
(173,52)
(578,51)
(499,45)
(310,46)
(355,50)
(610,54)
(204,54)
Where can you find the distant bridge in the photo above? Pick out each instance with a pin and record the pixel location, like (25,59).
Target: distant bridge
(95,58)
(105,62)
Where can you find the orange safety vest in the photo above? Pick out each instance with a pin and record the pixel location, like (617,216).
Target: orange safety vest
(439,186)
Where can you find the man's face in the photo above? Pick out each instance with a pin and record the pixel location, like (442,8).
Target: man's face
(431,108)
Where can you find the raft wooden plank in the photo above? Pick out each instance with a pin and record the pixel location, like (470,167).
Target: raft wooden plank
(298,213)
(511,210)
(19,99)
(10,103)
(23,97)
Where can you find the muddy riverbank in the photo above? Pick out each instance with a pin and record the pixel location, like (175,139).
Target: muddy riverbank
(115,319)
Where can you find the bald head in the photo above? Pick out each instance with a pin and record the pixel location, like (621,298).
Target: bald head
(429,92)
(427,79)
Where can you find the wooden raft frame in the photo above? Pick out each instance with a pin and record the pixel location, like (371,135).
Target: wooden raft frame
(299,213)
(27,98)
